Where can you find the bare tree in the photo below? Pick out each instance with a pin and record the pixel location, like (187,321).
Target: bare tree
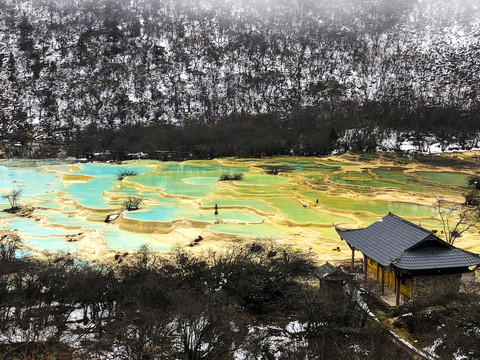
(456,218)
(8,246)
(210,327)
(13,196)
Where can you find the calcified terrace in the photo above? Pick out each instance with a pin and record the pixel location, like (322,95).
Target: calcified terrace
(296,207)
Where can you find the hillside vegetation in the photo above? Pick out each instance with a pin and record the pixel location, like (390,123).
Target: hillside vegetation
(249,301)
(230,77)
(237,304)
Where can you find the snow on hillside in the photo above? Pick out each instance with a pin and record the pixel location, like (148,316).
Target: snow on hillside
(64,65)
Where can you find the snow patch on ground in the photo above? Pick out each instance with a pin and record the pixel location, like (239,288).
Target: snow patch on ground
(431,349)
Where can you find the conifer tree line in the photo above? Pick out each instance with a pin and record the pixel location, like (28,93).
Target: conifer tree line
(293,75)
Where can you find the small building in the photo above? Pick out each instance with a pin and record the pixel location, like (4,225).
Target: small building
(332,279)
(339,305)
(410,260)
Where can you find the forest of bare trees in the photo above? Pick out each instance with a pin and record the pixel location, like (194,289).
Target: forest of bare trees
(294,75)
(144,306)
(251,301)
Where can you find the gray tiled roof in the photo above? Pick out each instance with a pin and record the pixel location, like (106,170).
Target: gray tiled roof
(391,240)
(436,257)
(329,272)
(385,239)
(325,270)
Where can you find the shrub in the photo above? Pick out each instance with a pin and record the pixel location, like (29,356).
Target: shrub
(474,181)
(274,170)
(132,203)
(472,198)
(122,174)
(228,177)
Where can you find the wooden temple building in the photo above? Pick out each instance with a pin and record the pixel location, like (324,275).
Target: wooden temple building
(410,260)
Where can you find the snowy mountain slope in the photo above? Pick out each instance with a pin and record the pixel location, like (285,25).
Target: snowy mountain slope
(64,65)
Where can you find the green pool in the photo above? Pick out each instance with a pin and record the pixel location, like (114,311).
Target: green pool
(312,195)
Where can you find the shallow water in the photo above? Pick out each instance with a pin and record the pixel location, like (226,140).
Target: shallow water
(123,240)
(260,205)
(298,212)
(444,178)
(33,227)
(170,213)
(252,230)
(53,243)
(32,181)
(400,181)
(378,207)
(90,193)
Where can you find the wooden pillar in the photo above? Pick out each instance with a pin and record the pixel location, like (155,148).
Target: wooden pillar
(353,258)
(383,281)
(411,288)
(378,270)
(365,269)
(397,290)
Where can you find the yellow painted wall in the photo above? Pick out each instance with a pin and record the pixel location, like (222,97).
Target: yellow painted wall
(406,288)
(372,267)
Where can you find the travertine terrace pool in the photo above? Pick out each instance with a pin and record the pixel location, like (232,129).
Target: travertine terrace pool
(296,207)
